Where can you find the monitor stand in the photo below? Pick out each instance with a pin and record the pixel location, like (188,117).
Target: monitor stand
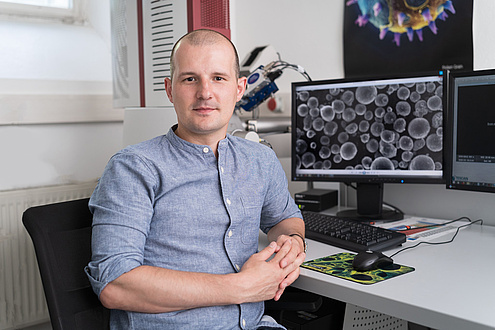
(370,205)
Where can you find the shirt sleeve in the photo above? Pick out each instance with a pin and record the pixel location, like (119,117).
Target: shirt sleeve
(122,207)
(279,204)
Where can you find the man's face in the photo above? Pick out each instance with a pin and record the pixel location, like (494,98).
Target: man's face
(204,89)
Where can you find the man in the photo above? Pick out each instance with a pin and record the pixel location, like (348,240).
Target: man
(176,218)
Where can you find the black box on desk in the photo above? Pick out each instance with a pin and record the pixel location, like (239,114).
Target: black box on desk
(316,199)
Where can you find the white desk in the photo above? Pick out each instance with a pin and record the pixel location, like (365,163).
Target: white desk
(453,286)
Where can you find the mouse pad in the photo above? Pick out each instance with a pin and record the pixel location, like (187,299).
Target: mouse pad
(340,265)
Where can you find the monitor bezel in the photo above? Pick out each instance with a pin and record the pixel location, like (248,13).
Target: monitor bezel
(449,154)
(348,179)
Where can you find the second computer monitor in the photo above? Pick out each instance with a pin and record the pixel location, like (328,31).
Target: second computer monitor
(470,160)
(369,132)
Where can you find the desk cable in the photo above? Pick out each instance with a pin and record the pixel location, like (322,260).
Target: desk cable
(439,225)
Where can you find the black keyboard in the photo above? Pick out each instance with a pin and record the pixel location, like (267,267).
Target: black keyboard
(349,234)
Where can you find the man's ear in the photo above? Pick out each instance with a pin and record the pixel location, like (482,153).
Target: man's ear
(241,87)
(168,89)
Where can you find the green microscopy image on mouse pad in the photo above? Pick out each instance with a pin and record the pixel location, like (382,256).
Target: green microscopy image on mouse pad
(340,265)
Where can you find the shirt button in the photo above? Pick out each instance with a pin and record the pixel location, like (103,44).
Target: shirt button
(221,168)
(206,150)
(230,233)
(228,201)
(237,267)
(243,322)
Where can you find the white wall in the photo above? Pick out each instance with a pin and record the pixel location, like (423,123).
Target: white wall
(45,155)
(310,34)
(307,33)
(57,122)
(52,51)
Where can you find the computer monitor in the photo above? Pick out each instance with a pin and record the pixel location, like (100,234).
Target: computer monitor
(369,131)
(470,142)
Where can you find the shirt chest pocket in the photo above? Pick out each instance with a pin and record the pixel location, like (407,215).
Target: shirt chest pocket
(252,206)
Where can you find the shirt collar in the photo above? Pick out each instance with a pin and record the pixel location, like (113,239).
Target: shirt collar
(183,144)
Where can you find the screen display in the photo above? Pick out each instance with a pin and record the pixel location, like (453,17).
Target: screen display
(368,130)
(471,109)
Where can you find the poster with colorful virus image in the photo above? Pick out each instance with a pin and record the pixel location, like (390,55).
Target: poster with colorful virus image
(406,36)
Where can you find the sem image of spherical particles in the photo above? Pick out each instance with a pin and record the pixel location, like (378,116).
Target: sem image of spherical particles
(371,127)
(402,16)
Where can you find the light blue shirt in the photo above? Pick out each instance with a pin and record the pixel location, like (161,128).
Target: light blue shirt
(172,204)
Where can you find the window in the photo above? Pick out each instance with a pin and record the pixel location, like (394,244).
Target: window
(67,4)
(65,10)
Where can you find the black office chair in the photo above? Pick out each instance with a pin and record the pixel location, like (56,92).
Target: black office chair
(61,234)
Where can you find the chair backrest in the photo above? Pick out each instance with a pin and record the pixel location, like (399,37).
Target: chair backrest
(61,234)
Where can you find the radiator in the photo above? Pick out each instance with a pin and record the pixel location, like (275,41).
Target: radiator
(22,300)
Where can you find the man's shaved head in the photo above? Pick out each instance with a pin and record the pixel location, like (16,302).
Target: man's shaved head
(203,37)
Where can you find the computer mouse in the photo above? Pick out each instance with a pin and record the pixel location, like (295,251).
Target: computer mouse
(369,260)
